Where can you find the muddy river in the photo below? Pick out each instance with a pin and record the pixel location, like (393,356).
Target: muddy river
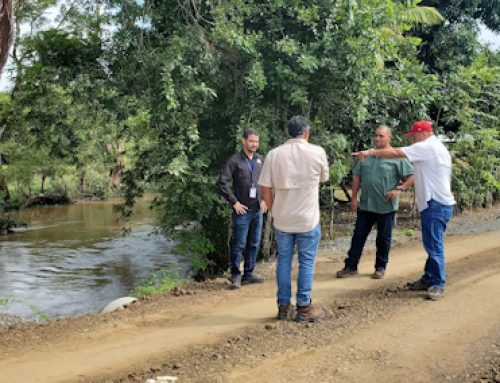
(73,259)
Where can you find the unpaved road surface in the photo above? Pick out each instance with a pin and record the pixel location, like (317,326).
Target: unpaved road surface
(374,331)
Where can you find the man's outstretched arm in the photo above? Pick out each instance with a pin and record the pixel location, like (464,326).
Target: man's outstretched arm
(382,153)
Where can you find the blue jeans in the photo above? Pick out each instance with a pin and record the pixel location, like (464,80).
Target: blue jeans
(364,223)
(434,220)
(247,230)
(307,247)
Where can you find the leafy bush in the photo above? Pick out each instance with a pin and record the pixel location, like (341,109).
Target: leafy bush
(471,103)
(197,249)
(96,182)
(476,180)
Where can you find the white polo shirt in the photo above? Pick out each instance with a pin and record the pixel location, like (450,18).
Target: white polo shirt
(432,164)
(294,171)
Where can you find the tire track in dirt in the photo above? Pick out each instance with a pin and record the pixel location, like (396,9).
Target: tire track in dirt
(425,342)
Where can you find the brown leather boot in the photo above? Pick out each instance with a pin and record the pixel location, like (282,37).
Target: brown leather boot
(286,311)
(310,313)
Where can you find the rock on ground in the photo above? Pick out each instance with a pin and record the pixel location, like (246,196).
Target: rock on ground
(8,320)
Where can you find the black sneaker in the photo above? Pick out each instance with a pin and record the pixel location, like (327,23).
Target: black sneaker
(419,285)
(235,282)
(251,278)
(435,293)
(346,272)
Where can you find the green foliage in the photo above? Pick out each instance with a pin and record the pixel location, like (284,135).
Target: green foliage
(229,66)
(4,301)
(472,95)
(8,300)
(454,11)
(337,148)
(477,165)
(96,182)
(23,169)
(455,45)
(422,15)
(161,282)
(197,250)
(409,232)
(166,94)
(471,102)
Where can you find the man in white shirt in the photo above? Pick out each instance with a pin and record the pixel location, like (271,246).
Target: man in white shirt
(432,164)
(293,172)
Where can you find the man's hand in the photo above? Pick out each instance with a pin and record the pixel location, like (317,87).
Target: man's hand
(263,206)
(392,195)
(361,154)
(239,208)
(354,205)
(267,196)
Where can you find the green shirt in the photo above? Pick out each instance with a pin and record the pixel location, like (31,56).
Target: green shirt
(379,176)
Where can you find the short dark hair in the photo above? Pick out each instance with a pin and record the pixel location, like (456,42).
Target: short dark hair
(297,126)
(249,132)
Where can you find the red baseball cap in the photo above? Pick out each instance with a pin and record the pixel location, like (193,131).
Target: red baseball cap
(420,126)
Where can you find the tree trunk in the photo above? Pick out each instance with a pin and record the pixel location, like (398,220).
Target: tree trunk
(115,174)
(44,177)
(81,182)
(3,186)
(332,211)
(6,30)
(267,238)
(346,192)
(488,200)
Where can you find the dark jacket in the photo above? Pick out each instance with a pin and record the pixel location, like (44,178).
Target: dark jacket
(236,173)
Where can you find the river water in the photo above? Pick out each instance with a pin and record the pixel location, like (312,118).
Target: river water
(73,259)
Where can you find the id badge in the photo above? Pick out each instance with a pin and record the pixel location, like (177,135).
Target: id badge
(253,192)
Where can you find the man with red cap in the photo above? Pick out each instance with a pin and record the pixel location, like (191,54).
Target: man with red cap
(432,164)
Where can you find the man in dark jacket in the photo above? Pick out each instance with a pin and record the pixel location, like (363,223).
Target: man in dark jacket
(242,170)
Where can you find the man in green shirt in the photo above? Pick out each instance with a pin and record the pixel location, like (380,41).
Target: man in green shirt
(381,182)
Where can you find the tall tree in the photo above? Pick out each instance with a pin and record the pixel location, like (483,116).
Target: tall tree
(216,68)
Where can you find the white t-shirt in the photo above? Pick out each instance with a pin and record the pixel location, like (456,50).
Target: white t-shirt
(432,163)
(294,171)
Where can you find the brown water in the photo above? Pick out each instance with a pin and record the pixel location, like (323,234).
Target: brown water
(73,259)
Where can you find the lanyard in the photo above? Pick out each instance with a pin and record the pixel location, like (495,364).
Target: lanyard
(251,166)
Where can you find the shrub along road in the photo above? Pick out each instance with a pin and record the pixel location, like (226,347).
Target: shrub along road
(375,331)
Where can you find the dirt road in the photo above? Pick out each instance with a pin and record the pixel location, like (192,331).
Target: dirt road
(375,331)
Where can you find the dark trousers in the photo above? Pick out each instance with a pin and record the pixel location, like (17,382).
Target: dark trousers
(247,230)
(364,223)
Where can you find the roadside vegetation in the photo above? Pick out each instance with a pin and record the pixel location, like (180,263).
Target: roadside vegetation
(160,283)
(123,97)
(8,300)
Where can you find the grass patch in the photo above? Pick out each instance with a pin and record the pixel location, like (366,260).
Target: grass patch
(160,283)
(409,232)
(42,316)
